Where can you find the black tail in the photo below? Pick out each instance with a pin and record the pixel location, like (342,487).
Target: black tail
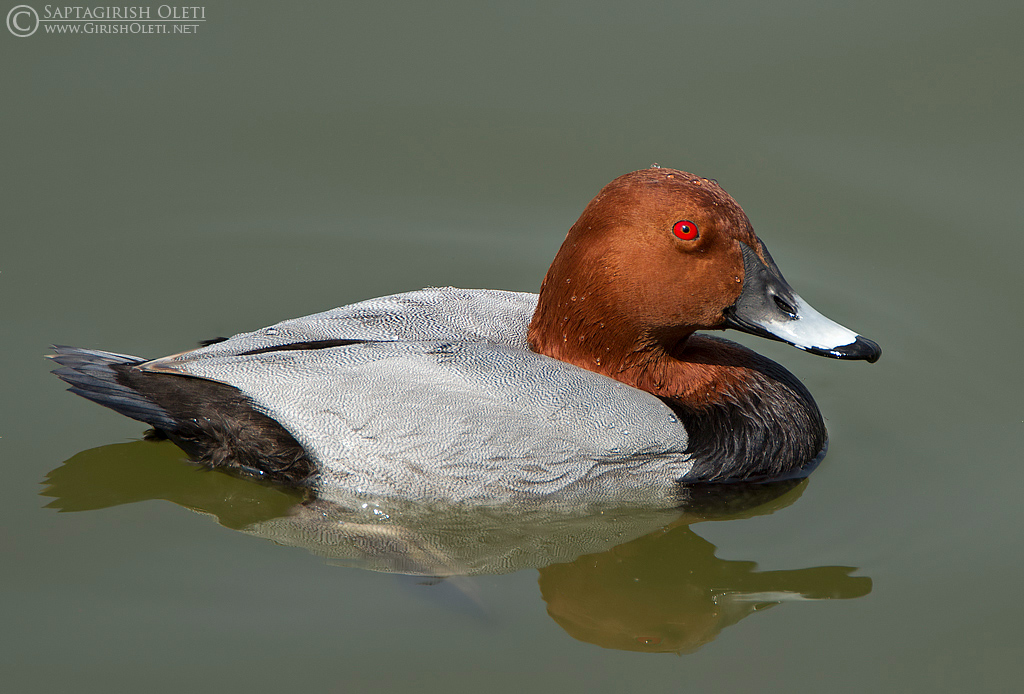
(213,422)
(91,374)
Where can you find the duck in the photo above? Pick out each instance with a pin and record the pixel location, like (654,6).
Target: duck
(604,385)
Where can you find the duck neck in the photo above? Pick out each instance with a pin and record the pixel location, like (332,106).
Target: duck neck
(568,325)
(746,417)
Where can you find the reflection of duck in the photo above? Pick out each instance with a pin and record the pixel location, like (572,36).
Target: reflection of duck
(668,592)
(634,579)
(127,473)
(598,388)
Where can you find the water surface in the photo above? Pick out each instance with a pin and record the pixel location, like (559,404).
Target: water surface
(161,190)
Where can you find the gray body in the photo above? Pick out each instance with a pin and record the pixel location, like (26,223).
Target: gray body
(439,396)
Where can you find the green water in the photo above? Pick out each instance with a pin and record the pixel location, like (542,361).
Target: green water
(161,189)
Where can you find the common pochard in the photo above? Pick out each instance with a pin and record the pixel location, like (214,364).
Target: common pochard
(598,388)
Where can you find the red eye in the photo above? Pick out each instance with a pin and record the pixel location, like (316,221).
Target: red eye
(686,230)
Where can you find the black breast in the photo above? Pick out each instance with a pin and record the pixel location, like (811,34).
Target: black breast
(770,429)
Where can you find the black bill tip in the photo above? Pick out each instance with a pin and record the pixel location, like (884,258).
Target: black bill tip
(861,348)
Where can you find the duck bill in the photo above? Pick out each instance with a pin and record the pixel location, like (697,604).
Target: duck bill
(768,307)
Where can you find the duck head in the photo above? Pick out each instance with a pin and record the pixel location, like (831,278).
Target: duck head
(658,255)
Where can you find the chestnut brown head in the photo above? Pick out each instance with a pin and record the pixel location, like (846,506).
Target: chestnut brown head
(662,253)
